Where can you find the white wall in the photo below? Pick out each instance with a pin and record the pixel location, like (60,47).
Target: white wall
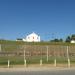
(72,41)
(32,38)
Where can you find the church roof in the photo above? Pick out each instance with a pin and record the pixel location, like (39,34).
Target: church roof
(33,34)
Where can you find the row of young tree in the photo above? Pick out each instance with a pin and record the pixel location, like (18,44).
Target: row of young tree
(68,39)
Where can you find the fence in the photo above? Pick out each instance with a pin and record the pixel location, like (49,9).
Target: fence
(37,54)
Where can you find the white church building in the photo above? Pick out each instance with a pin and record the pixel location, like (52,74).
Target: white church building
(33,37)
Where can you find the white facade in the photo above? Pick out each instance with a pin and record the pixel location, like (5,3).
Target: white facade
(72,41)
(33,37)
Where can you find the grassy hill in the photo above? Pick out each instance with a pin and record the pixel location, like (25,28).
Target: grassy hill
(14,51)
(9,45)
(33,43)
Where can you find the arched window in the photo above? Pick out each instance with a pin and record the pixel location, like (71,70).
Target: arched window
(33,37)
(37,38)
(28,37)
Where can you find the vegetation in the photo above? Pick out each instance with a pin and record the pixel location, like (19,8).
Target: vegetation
(54,42)
(69,38)
(57,40)
(8,45)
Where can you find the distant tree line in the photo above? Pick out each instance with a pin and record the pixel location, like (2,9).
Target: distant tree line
(57,40)
(68,39)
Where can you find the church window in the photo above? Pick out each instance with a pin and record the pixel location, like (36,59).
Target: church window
(37,38)
(33,37)
(28,37)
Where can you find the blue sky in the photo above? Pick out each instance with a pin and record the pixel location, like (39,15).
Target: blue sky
(49,18)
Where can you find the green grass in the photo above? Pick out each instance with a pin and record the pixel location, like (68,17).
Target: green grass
(8,45)
(32,60)
(10,42)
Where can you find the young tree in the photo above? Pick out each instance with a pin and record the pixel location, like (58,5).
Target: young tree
(73,37)
(68,39)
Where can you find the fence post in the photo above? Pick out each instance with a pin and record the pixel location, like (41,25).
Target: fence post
(68,57)
(67,52)
(25,63)
(47,53)
(55,62)
(41,58)
(41,62)
(68,63)
(8,63)
(0,47)
(24,55)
